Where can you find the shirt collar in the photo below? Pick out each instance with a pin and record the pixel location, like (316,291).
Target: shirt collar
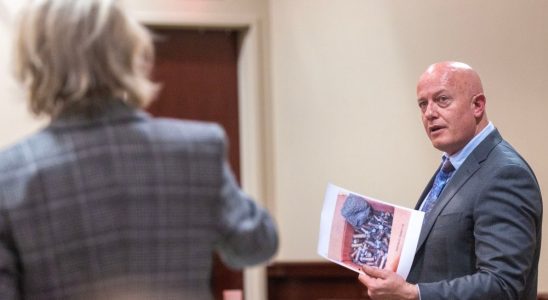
(114,111)
(458,158)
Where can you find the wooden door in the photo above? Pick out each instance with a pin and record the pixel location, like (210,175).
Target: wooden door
(198,73)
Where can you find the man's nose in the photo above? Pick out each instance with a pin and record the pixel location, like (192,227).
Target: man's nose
(431,110)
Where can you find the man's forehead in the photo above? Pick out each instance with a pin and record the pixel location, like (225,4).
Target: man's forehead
(447,73)
(441,78)
(432,91)
(450,67)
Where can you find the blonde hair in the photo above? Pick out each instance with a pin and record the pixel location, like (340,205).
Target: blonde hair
(79,55)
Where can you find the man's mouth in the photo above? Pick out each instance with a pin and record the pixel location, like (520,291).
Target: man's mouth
(435,128)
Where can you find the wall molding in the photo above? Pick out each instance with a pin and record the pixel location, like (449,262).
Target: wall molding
(318,280)
(313,280)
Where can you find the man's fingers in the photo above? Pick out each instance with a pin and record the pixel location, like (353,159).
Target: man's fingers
(374,272)
(365,279)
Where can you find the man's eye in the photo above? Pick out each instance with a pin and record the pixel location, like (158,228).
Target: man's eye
(443,100)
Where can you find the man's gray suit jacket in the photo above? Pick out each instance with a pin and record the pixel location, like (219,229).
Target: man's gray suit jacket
(123,206)
(482,240)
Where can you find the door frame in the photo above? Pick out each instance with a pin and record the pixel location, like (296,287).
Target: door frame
(253,105)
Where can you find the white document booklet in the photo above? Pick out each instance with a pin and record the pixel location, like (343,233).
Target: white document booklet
(357,230)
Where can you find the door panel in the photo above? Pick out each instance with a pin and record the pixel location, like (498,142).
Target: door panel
(198,73)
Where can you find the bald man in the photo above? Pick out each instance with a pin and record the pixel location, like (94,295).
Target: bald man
(483,209)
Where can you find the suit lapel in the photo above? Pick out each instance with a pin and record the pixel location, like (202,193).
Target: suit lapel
(472,163)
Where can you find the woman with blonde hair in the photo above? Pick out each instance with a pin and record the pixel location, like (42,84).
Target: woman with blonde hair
(107,202)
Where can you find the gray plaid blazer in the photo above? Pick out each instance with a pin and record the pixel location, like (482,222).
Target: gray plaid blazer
(123,206)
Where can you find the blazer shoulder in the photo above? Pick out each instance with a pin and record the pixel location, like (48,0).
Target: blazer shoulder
(19,163)
(188,130)
(497,150)
(515,158)
(504,152)
(18,155)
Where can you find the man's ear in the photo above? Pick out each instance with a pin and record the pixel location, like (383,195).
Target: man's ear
(478,102)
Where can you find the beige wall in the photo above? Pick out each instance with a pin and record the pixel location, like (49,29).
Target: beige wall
(338,90)
(15,121)
(344,106)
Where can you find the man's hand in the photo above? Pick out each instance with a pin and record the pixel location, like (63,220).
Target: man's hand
(387,285)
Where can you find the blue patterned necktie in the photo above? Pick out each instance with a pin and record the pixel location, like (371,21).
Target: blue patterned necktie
(441,179)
